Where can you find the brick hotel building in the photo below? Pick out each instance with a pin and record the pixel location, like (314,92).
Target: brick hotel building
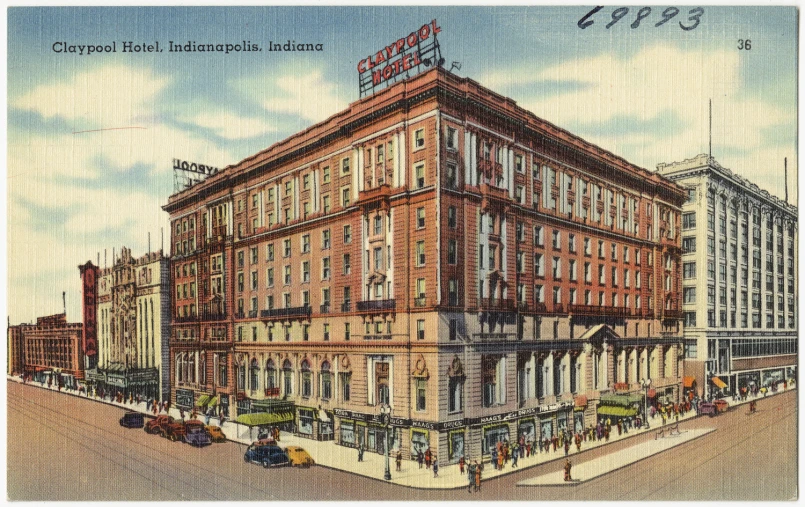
(437,248)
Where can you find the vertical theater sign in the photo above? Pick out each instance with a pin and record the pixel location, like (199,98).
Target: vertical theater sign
(89,343)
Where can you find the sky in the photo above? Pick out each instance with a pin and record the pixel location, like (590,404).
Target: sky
(91,138)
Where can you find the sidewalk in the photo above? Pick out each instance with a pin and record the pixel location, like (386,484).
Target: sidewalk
(332,455)
(605,464)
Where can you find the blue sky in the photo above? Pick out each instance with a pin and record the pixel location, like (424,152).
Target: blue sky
(641,93)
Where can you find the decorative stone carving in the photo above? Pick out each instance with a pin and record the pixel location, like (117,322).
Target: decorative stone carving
(456,369)
(420,368)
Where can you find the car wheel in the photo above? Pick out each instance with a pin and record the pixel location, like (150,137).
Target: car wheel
(266,464)
(245,459)
(173,438)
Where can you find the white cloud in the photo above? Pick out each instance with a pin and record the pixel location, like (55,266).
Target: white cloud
(231,126)
(309,96)
(649,85)
(103,97)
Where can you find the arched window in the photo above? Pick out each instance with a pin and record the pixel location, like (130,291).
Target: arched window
(326,381)
(191,368)
(287,375)
(202,368)
(306,379)
(254,371)
(271,374)
(179,368)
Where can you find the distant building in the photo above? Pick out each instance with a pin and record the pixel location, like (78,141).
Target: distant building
(16,349)
(739,279)
(132,319)
(51,350)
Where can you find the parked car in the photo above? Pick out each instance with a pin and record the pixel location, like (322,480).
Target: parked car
(299,457)
(721,405)
(158,425)
(266,455)
(216,434)
(706,407)
(175,431)
(196,433)
(132,420)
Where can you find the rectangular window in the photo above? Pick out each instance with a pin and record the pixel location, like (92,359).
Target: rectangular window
(419,178)
(345,165)
(420,253)
(420,218)
(347,266)
(345,197)
(419,138)
(451,217)
(420,329)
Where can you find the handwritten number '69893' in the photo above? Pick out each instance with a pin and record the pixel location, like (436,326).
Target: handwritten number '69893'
(694,17)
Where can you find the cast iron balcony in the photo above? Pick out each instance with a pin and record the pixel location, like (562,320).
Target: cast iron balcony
(279,313)
(377,305)
(498,305)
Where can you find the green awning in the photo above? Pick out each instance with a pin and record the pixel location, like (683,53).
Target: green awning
(272,405)
(622,400)
(616,411)
(203,400)
(213,401)
(263,418)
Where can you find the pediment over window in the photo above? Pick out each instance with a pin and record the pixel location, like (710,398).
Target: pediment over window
(420,368)
(456,369)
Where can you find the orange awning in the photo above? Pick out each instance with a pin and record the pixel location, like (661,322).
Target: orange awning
(688,381)
(581,401)
(718,382)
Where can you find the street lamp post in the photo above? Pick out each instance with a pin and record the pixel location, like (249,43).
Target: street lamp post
(385,415)
(646,383)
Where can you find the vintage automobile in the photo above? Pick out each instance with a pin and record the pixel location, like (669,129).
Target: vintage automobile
(266,455)
(299,457)
(132,420)
(158,425)
(195,433)
(721,405)
(175,430)
(708,408)
(216,434)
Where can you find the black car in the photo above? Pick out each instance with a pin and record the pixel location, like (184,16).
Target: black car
(267,455)
(132,420)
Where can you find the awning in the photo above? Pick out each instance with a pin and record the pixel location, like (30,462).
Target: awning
(213,401)
(263,418)
(688,381)
(581,401)
(617,411)
(203,400)
(623,400)
(720,383)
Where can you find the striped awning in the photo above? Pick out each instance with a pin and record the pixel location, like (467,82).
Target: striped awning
(203,400)
(718,382)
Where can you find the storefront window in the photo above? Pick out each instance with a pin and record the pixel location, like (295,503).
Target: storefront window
(494,435)
(579,421)
(547,429)
(561,422)
(527,429)
(419,441)
(347,432)
(456,445)
(305,421)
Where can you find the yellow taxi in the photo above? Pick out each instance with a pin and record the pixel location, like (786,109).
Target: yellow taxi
(298,456)
(216,434)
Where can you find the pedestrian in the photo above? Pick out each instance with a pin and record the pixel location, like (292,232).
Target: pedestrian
(539,442)
(435,467)
(514,458)
(428,458)
(360,452)
(470,476)
(528,448)
(420,458)
(500,461)
(578,442)
(478,469)
(399,461)
(494,458)
(620,427)
(567,446)
(461,463)
(568,465)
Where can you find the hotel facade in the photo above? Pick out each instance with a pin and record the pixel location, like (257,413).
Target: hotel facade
(437,249)
(739,285)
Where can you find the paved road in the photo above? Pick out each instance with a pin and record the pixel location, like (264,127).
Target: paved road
(66,448)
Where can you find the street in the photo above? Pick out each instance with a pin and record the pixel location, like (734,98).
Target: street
(67,448)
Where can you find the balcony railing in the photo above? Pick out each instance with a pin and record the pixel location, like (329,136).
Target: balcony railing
(617,311)
(346,306)
(672,314)
(420,302)
(377,305)
(500,305)
(188,318)
(278,313)
(252,314)
(377,337)
(240,315)
(205,316)
(325,308)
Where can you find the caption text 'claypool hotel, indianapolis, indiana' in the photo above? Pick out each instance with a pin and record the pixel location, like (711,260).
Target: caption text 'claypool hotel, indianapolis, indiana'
(437,249)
